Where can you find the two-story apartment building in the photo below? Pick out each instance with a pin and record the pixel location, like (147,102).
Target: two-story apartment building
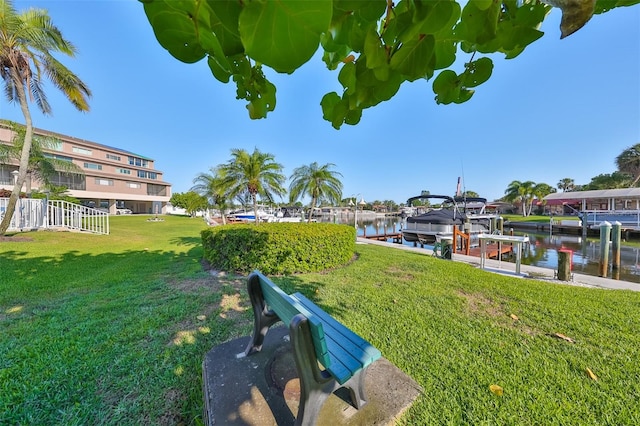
(112,178)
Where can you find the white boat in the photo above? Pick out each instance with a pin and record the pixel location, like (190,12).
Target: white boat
(289,214)
(246,215)
(467,214)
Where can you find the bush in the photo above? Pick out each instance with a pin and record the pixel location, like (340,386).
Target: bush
(278,248)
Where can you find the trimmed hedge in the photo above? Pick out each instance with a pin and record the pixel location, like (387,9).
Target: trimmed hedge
(278,248)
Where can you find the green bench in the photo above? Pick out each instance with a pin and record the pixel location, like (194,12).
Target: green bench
(328,355)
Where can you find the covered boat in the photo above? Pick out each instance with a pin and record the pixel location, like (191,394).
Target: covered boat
(467,214)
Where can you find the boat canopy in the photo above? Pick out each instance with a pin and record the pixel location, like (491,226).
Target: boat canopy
(439,217)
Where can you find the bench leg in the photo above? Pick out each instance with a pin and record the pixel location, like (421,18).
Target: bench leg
(317,385)
(263,318)
(356,389)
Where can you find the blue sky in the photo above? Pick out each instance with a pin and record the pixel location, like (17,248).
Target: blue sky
(563,108)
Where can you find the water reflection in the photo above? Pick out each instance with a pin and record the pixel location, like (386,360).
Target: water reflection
(541,251)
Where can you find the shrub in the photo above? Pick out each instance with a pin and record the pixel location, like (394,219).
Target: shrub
(278,248)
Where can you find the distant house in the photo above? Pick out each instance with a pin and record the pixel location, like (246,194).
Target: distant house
(609,200)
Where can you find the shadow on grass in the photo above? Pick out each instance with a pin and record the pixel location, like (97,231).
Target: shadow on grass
(120,337)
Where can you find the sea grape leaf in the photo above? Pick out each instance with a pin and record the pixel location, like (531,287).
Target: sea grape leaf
(445,53)
(347,77)
(448,88)
(220,73)
(374,51)
(438,15)
(293,27)
(478,26)
(334,109)
(224,24)
(603,6)
(415,59)
(477,72)
(381,44)
(173,26)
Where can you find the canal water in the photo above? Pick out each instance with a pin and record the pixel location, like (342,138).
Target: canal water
(541,251)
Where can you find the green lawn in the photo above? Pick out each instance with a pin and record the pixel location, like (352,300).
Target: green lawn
(113,330)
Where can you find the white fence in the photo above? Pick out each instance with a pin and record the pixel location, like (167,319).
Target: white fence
(32,214)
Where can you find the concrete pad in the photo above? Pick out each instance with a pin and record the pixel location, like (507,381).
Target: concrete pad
(263,389)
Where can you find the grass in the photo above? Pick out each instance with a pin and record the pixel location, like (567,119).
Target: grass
(536,218)
(113,329)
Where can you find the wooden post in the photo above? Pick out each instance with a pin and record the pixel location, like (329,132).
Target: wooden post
(605,234)
(501,225)
(616,231)
(564,265)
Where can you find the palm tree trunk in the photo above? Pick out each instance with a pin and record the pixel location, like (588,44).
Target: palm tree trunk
(24,155)
(28,185)
(313,203)
(254,198)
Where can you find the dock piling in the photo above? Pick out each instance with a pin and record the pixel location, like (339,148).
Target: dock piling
(616,232)
(605,235)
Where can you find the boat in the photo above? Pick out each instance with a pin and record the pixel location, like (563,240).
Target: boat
(248,215)
(289,214)
(467,214)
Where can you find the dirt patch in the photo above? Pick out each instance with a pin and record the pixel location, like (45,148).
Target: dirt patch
(480,304)
(173,399)
(230,302)
(400,274)
(12,239)
(232,306)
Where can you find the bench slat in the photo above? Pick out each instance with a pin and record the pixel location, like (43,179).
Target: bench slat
(286,308)
(372,353)
(348,351)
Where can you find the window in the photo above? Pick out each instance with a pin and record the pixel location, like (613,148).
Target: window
(58,157)
(113,157)
(82,151)
(104,182)
(147,175)
(137,161)
(92,166)
(135,185)
(123,171)
(156,189)
(69,180)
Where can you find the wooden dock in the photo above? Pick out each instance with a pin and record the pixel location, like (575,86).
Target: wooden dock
(396,237)
(493,250)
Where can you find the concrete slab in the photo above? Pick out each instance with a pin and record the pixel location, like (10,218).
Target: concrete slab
(263,389)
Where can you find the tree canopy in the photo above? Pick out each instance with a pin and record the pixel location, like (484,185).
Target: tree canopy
(321,183)
(376,44)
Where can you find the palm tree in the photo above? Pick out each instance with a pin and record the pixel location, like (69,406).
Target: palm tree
(211,186)
(27,40)
(629,162)
(42,167)
(256,173)
(566,185)
(520,191)
(539,191)
(319,182)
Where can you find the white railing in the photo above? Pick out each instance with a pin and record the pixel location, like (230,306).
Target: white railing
(31,214)
(628,218)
